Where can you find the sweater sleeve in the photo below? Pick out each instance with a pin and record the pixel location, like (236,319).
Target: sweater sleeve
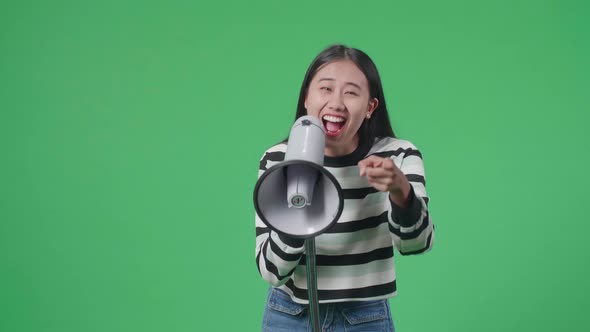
(277,255)
(410,227)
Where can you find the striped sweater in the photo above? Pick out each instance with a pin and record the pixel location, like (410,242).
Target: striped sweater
(355,257)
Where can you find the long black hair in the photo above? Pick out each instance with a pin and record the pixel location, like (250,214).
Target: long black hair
(378,125)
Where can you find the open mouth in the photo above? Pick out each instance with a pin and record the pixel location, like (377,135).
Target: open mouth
(333,124)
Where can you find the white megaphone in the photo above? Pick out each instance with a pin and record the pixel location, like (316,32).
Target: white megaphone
(299,197)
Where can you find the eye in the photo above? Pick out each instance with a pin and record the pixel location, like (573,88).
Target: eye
(351,93)
(325,88)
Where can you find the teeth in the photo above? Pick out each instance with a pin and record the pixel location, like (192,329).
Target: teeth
(332,118)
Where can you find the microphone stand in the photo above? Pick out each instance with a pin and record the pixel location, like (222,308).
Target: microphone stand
(312,287)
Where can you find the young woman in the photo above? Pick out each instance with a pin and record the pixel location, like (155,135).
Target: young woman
(385,205)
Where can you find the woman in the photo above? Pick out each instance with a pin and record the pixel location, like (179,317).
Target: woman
(385,205)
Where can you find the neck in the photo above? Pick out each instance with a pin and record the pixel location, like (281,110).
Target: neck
(342,149)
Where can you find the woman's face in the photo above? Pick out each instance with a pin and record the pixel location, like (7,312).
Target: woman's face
(338,94)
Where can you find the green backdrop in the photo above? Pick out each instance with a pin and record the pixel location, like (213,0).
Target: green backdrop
(130,134)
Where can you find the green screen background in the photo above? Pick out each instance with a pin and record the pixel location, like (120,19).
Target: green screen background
(130,134)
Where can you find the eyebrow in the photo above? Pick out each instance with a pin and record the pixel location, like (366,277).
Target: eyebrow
(331,79)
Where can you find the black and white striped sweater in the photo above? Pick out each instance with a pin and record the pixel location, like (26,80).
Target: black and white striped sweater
(354,257)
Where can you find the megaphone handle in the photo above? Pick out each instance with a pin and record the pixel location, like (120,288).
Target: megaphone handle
(312,286)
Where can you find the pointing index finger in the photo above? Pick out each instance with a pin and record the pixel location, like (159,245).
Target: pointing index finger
(370,161)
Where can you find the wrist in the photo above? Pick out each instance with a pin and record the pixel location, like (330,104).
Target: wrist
(401,195)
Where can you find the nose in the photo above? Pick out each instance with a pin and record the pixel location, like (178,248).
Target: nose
(335,102)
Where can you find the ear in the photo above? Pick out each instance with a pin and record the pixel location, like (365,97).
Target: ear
(373,103)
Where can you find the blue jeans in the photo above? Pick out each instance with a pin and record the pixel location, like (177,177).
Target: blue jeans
(282,314)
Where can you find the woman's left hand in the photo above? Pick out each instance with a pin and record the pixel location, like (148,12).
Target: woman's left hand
(384,176)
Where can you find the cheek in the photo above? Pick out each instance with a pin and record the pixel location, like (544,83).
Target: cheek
(358,111)
(312,105)
(356,123)
(356,119)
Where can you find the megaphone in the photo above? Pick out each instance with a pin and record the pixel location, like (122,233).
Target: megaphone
(299,197)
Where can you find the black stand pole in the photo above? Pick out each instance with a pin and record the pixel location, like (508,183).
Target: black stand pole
(312,287)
